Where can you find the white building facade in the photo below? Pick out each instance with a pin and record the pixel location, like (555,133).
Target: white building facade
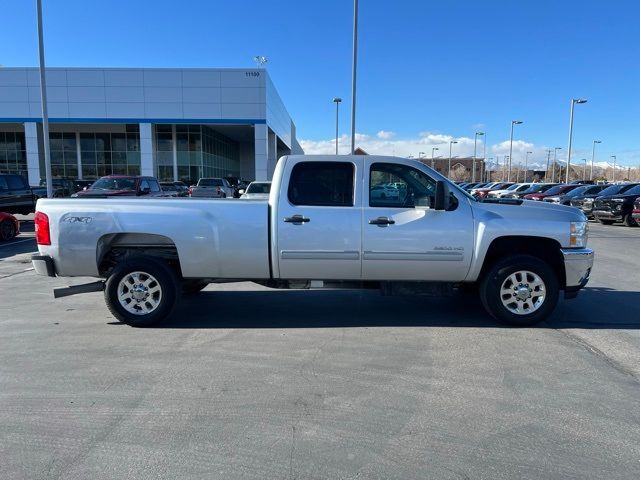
(174,124)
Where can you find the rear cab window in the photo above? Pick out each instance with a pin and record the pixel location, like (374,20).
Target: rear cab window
(328,184)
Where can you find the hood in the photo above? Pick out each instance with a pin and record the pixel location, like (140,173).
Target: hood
(106,193)
(531,210)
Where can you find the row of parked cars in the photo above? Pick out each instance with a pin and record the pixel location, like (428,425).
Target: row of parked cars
(606,203)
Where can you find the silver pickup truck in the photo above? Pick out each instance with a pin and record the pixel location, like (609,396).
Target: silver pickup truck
(330,221)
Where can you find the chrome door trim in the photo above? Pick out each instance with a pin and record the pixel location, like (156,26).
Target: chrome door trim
(319,255)
(439,256)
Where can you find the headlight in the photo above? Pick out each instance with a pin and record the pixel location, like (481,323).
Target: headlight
(579,234)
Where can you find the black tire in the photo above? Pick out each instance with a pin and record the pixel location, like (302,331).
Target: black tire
(7,230)
(491,284)
(605,222)
(190,287)
(166,280)
(629,221)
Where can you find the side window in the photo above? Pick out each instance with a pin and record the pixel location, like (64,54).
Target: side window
(3,184)
(144,185)
(16,182)
(399,186)
(322,184)
(155,187)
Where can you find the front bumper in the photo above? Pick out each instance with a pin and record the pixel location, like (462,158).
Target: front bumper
(607,214)
(577,266)
(43,265)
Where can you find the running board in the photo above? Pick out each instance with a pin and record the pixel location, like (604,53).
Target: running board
(76,289)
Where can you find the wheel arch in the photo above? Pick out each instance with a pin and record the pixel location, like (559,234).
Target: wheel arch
(546,249)
(115,247)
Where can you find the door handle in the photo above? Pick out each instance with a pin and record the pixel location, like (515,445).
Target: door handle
(381,221)
(296,219)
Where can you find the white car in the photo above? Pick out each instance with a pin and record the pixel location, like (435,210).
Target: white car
(385,192)
(515,188)
(256,191)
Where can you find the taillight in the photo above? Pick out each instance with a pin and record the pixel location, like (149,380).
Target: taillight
(41,221)
(190,190)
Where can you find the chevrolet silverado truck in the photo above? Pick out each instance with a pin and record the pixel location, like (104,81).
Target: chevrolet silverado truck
(321,227)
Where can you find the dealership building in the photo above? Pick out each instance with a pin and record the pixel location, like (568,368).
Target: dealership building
(174,124)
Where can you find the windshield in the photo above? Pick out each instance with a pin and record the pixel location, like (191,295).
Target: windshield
(556,190)
(614,190)
(114,184)
(259,187)
(513,187)
(210,182)
(633,191)
(577,191)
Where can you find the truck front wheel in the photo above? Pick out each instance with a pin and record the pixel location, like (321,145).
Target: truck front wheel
(141,291)
(520,290)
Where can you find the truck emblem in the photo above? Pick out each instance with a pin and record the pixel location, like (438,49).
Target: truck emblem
(78,219)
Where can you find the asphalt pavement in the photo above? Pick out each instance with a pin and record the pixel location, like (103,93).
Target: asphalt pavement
(247,382)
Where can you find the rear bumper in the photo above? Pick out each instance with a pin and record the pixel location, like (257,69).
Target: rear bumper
(43,265)
(577,266)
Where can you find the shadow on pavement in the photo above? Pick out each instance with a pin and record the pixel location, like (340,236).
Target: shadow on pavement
(594,308)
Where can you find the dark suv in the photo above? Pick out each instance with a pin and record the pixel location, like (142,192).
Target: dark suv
(617,208)
(16,195)
(123,186)
(585,202)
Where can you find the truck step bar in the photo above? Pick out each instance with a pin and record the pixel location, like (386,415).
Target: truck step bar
(76,289)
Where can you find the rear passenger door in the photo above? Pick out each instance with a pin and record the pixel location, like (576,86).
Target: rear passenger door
(318,228)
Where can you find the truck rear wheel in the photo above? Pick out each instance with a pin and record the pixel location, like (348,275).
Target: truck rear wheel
(141,291)
(520,290)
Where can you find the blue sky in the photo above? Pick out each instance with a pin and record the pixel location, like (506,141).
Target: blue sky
(428,71)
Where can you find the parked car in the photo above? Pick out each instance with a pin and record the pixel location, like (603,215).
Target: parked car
(515,188)
(237,184)
(322,229)
(617,208)
(385,192)
(585,202)
(534,188)
(123,186)
(16,195)
(557,190)
(175,189)
(9,226)
(636,210)
(256,191)
(83,184)
(212,188)
(489,185)
(483,192)
(62,187)
(583,189)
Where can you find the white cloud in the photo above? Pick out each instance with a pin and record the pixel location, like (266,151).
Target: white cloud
(387,143)
(385,135)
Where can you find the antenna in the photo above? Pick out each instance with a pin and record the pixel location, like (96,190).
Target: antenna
(260,61)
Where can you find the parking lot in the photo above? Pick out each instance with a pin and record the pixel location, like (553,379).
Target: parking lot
(245,382)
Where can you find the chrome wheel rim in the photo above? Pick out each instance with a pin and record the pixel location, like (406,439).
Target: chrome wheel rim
(139,293)
(523,292)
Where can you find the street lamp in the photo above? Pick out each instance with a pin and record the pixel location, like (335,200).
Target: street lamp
(513,122)
(573,102)
(585,168)
(475,144)
(553,168)
(433,149)
(526,162)
(593,156)
(337,101)
(614,168)
(451,142)
(43,99)
(353,76)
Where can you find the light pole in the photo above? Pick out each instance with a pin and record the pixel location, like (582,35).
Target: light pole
(526,162)
(614,168)
(475,144)
(353,76)
(513,122)
(451,142)
(546,172)
(487,165)
(553,168)
(573,102)
(585,168)
(433,149)
(43,97)
(337,101)
(593,156)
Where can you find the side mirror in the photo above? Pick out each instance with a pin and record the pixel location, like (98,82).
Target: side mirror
(442,196)
(145,191)
(241,191)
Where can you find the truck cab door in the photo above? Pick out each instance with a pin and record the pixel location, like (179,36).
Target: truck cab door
(318,223)
(404,237)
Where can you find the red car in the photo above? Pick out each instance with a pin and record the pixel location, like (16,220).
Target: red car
(553,191)
(123,186)
(9,226)
(483,192)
